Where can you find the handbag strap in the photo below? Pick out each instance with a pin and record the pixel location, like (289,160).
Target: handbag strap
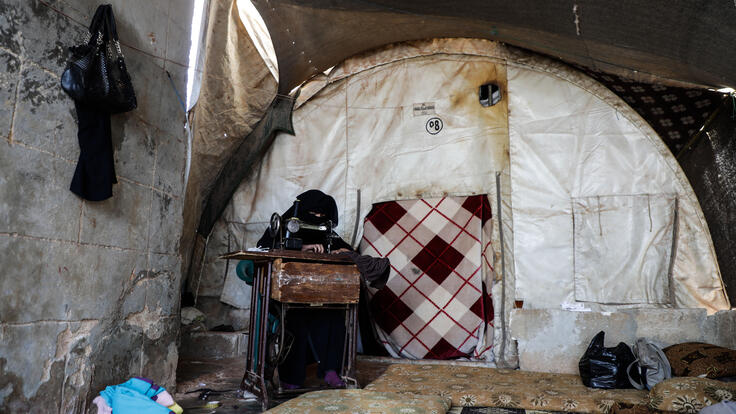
(96,26)
(112,28)
(112,31)
(638,385)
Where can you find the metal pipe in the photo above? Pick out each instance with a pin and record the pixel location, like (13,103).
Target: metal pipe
(251,324)
(264,323)
(502,350)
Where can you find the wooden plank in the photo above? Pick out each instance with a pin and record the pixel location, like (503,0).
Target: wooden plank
(287,254)
(309,282)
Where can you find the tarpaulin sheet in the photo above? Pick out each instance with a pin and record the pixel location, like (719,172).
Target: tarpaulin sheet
(712,172)
(640,39)
(236,90)
(437,303)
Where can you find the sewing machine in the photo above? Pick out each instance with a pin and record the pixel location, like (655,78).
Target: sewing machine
(292,225)
(295,280)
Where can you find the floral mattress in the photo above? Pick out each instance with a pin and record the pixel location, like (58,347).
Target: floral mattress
(362,402)
(490,387)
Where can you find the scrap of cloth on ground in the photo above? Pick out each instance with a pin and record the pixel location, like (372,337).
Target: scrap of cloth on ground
(436,303)
(137,395)
(491,387)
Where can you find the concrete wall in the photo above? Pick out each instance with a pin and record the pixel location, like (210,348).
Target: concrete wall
(551,340)
(89,291)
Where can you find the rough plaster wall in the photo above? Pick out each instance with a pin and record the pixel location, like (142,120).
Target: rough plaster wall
(89,291)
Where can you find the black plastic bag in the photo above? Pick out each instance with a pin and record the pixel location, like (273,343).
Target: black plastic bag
(602,367)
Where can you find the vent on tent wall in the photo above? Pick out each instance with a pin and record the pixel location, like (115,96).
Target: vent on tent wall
(489,94)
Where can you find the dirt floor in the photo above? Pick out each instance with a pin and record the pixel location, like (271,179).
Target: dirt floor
(213,386)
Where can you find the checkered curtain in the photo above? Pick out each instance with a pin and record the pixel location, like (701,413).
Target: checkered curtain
(437,302)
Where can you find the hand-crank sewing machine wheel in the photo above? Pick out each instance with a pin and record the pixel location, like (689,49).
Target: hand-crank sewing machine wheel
(278,342)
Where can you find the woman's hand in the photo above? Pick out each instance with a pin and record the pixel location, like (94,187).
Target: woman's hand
(341,250)
(317,248)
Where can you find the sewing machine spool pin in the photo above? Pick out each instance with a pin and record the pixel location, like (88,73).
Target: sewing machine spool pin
(274,229)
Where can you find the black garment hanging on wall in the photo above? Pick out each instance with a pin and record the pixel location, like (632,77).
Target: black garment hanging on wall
(95,173)
(97,78)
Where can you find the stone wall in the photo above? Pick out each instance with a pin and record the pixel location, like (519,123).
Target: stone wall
(89,291)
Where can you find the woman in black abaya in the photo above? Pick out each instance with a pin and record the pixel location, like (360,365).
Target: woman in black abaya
(318,333)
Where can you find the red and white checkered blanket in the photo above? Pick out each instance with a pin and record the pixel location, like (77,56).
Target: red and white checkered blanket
(437,301)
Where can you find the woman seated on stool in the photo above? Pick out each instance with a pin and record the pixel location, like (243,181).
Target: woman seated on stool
(317,332)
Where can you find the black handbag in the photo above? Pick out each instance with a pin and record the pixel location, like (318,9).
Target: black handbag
(76,75)
(105,82)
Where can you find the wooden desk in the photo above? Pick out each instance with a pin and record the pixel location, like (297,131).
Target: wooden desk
(297,279)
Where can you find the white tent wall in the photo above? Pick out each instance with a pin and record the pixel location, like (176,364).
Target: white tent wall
(567,136)
(572,138)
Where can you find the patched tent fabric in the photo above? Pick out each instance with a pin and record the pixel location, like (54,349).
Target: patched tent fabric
(363,134)
(437,303)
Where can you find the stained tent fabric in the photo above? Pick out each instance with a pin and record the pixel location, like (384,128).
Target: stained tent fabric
(361,135)
(436,303)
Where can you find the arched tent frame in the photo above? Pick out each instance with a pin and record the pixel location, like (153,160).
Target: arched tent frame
(524,61)
(642,42)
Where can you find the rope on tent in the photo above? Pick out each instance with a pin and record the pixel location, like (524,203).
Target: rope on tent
(673,252)
(201,267)
(176,91)
(705,126)
(649,210)
(227,262)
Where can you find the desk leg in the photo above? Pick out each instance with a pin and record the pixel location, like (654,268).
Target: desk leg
(351,339)
(254,379)
(353,353)
(265,288)
(245,384)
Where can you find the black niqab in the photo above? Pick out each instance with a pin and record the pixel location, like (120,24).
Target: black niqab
(311,202)
(314,201)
